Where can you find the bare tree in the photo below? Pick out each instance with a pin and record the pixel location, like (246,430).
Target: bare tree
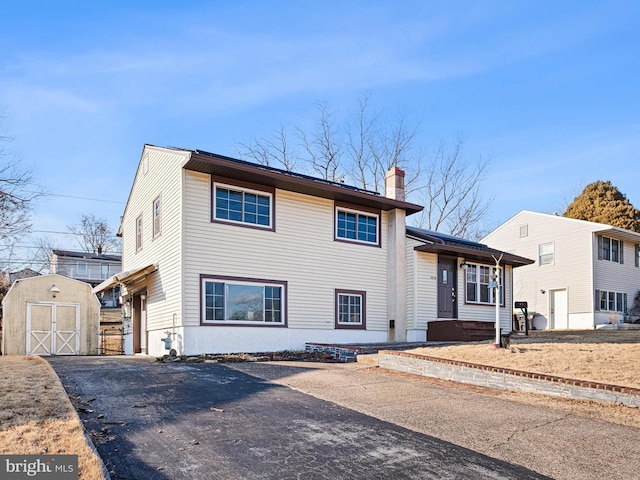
(450,189)
(362,150)
(271,152)
(17,193)
(94,234)
(323,146)
(41,259)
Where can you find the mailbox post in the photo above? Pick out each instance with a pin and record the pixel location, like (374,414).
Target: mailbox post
(523,306)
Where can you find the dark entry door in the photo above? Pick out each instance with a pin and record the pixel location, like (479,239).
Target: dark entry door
(447,291)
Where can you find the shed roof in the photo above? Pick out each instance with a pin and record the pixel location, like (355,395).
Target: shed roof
(126,277)
(447,244)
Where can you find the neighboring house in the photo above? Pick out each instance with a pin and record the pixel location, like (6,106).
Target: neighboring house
(586,274)
(24,273)
(92,268)
(223,255)
(50,315)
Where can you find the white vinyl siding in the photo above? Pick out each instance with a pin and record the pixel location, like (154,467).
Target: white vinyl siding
(164,289)
(315,264)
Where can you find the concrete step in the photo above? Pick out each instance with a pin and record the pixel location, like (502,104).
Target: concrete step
(367,358)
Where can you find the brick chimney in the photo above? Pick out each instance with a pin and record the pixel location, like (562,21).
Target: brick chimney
(394,184)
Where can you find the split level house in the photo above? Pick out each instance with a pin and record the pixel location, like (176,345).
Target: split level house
(585,274)
(91,268)
(223,255)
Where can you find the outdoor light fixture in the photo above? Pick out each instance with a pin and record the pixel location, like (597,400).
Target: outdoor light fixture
(464,264)
(54,290)
(542,292)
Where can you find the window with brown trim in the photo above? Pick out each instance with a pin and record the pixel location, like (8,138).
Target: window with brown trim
(139,233)
(234,300)
(243,206)
(351,309)
(478,284)
(357,224)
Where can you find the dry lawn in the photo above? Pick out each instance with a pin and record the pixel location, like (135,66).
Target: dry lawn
(606,356)
(36,416)
(600,355)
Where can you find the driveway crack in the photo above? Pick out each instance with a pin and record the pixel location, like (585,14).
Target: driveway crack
(533,427)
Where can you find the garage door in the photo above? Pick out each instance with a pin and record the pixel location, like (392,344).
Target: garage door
(53,328)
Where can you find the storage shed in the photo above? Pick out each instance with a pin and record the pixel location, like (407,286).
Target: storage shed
(50,315)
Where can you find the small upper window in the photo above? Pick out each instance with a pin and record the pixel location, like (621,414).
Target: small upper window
(139,233)
(238,205)
(157,215)
(524,231)
(546,252)
(357,226)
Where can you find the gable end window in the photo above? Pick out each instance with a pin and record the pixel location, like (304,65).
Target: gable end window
(139,233)
(242,206)
(546,252)
(637,255)
(157,217)
(357,226)
(524,231)
(350,309)
(610,249)
(240,301)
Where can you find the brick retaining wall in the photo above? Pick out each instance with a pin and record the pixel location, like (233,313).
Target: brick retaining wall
(497,377)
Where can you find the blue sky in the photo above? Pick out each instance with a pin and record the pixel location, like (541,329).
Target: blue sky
(549,91)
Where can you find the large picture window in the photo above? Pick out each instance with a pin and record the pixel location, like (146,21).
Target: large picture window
(350,309)
(478,278)
(230,300)
(357,226)
(243,206)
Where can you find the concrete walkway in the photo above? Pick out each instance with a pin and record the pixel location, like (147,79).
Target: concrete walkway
(552,442)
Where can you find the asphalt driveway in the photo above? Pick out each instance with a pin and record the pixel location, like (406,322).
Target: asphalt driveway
(208,421)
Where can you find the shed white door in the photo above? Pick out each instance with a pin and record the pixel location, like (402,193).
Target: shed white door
(559,310)
(53,328)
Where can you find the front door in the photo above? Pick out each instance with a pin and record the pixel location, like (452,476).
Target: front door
(447,288)
(558,310)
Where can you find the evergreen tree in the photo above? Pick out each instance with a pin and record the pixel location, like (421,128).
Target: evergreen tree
(603,203)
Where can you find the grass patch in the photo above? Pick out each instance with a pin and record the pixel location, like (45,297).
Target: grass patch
(606,356)
(37,418)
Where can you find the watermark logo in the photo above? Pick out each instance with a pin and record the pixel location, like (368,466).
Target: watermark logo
(49,467)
